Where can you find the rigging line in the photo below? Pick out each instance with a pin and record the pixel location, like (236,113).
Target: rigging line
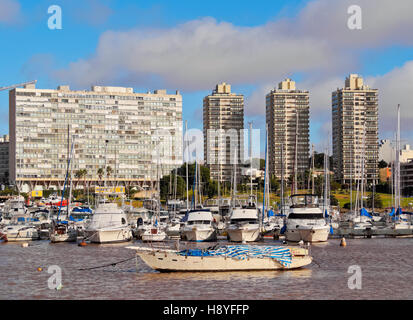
(107,265)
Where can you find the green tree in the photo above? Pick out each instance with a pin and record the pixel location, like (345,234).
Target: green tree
(382,164)
(378,203)
(100,173)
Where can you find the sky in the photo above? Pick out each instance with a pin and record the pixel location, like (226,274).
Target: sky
(191,46)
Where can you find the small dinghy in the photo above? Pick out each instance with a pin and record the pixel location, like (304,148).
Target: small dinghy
(224,258)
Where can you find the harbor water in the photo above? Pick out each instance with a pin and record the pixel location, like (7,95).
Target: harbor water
(386,273)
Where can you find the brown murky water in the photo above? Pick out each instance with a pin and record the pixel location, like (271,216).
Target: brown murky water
(386,264)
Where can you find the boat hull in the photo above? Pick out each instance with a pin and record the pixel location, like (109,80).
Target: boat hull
(109,236)
(307,235)
(67,237)
(172,262)
(199,235)
(243,234)
(20,236)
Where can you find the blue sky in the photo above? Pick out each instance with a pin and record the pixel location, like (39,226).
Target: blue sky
(298,39)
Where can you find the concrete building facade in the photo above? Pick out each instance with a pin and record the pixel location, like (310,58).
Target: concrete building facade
(387,152)
(355,131)
(4,159)
(223,124)
(287,118)
(130,128)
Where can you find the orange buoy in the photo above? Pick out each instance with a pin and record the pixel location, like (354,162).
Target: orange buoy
(39,269)
(343,242)
(82,243)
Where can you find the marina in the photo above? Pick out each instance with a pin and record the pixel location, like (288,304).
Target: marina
(386,265)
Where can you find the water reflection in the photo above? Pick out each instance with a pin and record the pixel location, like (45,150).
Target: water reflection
(225,276)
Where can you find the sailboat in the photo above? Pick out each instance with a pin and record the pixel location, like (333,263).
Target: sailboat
(244,224)
(401,222)
(200,224)
(64,230)
(155,232)
(220,258)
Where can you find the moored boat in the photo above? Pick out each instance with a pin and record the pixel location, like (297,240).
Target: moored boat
(224,258)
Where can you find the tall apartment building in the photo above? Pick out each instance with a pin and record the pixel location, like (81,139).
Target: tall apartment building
(287,118)
(223,119)
(128,127)
(4,159)
(355,131)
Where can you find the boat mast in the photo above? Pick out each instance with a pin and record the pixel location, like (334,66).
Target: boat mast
(282,178)
(362,168)
(71,175)
(187,159)
(325,179)
(351,179)
(265,173)
(295,156)
(397,191)
(250,147)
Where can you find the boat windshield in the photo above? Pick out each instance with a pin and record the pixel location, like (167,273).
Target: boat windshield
(199,222)
(244,220)
(304,200)
(305,216)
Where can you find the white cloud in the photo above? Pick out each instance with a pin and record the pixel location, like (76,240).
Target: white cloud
(198,54)
(395,87)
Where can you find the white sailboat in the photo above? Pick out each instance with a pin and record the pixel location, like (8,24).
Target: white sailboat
(155,232)
(63,230)
(224,258)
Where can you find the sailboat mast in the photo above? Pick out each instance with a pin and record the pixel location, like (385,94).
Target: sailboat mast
(265,173)
(398,159)
(362,168)
(71,175)
(282,178)
(296,157)
(187,159)
(250,147)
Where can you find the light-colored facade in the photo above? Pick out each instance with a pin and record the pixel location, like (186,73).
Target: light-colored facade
(287,118)
(4,159)
(129,127)
(223,111)
(355,131)
(387,152)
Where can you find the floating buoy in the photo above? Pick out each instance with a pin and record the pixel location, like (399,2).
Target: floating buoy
(60,286)
(343,242)
(25,245)
(39,269)
(301,242)
(82,243)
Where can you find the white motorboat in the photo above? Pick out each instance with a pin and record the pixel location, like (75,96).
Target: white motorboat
(306,221)
(244,224)
(108,224)
(200,226)
(224,258)
(19,232)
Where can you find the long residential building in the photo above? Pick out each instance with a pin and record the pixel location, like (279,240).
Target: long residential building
(223,121)
(111,126)
(355,131)
(287,118)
